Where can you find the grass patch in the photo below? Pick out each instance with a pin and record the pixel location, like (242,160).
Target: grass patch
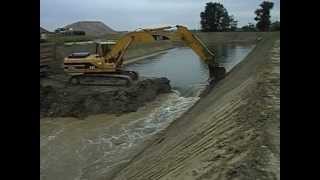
(60,39)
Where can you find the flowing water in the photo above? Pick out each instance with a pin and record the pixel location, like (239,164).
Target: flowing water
(99,146)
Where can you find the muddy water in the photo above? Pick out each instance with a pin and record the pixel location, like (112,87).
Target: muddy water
(187,73)
(99,146)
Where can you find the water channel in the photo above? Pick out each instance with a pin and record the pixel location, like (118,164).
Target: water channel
(99,146)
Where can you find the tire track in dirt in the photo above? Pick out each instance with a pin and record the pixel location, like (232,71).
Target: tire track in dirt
(194,146)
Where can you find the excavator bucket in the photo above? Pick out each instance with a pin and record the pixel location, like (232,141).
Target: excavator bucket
(216,72)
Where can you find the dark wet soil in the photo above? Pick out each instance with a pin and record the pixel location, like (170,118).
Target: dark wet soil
(81,101)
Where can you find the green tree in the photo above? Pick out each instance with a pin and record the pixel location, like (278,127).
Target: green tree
(275,26)
(263,16)
(233,23)
(215,18)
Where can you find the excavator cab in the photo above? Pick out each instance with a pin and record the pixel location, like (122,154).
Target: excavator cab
(103,48)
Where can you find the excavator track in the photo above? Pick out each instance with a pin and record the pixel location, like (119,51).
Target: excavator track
(105,79)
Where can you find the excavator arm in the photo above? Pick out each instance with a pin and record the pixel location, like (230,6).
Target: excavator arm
(195,44)
(192,41)
(147,35)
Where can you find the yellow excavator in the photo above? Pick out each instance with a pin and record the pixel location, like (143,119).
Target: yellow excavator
(106,62)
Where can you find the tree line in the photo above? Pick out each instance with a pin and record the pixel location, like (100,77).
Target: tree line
(215,18)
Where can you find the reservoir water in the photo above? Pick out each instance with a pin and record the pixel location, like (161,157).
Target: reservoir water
(186,71)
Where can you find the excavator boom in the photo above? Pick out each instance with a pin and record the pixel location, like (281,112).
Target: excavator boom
(117,52)
(194,43)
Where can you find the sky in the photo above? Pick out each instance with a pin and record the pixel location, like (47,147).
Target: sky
(128,15)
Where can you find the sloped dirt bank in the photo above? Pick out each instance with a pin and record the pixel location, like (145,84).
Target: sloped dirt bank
(230,37)
(79,101)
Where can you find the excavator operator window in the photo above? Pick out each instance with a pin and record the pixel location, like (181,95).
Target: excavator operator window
(103,48)
(160,37)
(97,49)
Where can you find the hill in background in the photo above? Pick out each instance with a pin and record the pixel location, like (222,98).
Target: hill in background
(42,30)
(93,28)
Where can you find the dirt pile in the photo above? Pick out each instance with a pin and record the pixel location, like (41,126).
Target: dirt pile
(43,30)
(78,101)
(94,28)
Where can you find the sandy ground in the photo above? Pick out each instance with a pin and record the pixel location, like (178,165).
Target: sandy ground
(231,133)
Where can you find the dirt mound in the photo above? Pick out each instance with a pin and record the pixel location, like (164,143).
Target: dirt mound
(93,28)
(43,30)
(77,101)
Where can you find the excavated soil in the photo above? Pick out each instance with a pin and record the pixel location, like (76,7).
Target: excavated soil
(81,101)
